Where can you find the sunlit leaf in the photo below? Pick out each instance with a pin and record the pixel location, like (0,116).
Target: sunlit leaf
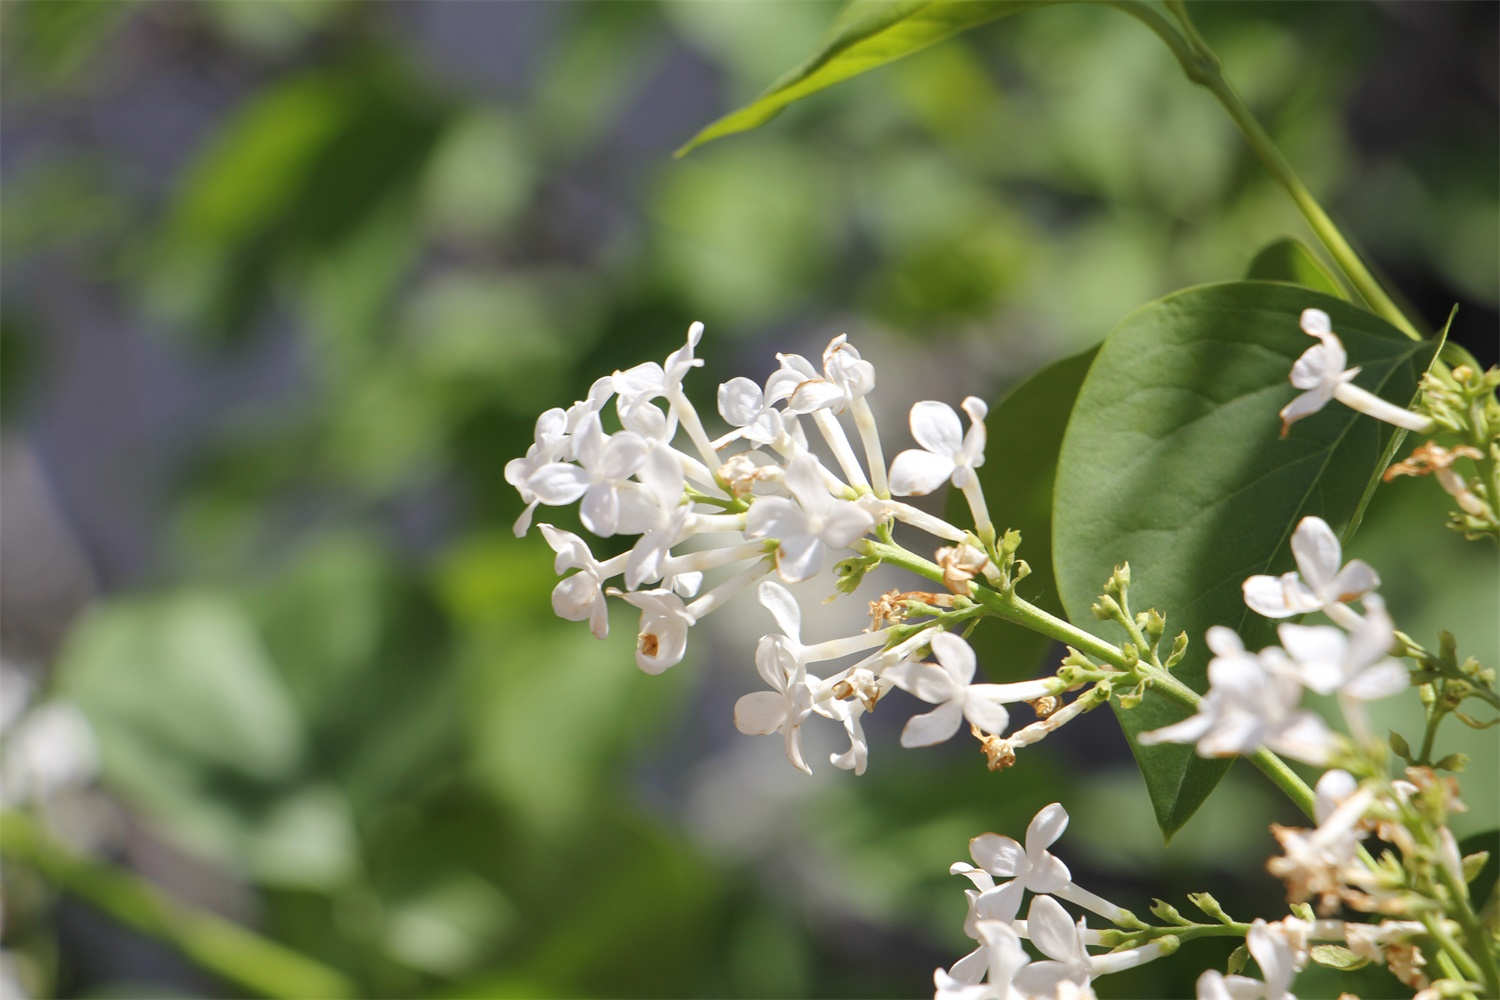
(867,34)
(1173,462)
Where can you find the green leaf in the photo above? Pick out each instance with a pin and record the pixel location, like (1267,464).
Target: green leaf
(1482,885)
(1017,475)
(1290,261)
(867,34)
(1337,957)
(1172,461)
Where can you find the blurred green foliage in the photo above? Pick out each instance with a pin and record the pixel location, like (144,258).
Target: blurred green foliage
(338,680)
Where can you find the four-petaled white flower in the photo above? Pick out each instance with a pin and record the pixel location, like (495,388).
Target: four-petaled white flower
(744,405)
(1251,702)
(987,972)
(1320,583)
(610,502)
(786,705)
(669,517)
(1030,867)
(1053,932)
(807,526)
(665,620)
(1354,664)
(946,452)
(581,596)
(946,684)
(550,444)
(1277,963)
(1319,371)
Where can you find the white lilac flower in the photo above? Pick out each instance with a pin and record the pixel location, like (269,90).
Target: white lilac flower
(786,705)
(1277,965)
(808,525)
(610,503)
(579,597)
(661,477)
(662,638)
(1355,664)
(857,757)
(987,972)
(947,454)
(1053,932)
(1321,583)
(1251,702)
(845,381)
(549,445)
(1027,868)
(1313,861)
(1321,374)
(947,685)
(745,406)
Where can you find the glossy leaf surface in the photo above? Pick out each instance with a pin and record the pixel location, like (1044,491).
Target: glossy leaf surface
(1173,462)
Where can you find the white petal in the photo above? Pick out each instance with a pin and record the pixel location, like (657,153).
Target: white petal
(1380,681)
(1315,322)
(574,597)
(936,428)
(1354,580)
(1305,405)
(1001,903)
(1279,597)
(1051,929)
(932,727)
(990,716)
(1306,737)
(775,517)
(740,401)
(783,607)
(799,557)
(661,473)
(804,479)
(1187,731)
(1317,551)
(1319,651)
(917,473)
(844,523)
(956,657)
(760,713)
(600,510)
(1224,641)
(625,452)
(1045,827)
(998,855)
(558,483)
(817,394)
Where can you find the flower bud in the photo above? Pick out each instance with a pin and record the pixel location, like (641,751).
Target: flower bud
(1167,913)
(1400,747)
(1237,960)
(1210,906)
(1453,762)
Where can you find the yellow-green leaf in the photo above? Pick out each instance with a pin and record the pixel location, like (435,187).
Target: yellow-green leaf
(867,34)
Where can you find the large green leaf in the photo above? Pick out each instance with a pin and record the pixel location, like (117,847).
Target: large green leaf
(867,34)
(1018,474)
(1290,261)
(1173,462)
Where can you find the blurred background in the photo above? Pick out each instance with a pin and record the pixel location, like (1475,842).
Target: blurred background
(286,284)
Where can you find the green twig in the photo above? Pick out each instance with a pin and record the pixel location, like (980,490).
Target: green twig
(219,946)
(1203,68)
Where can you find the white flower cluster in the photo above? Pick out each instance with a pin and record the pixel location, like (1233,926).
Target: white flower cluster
(999,968)
(1253,698)
(758,500)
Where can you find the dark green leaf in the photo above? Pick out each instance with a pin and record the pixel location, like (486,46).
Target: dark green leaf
(1173,462)
(1482,886)
(1290,261)
(867,34)
(1017,475)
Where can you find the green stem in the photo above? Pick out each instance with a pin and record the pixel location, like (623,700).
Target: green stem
(1473,930)
(219,946)
(1203,68)
(1019,611)
(1429,734)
